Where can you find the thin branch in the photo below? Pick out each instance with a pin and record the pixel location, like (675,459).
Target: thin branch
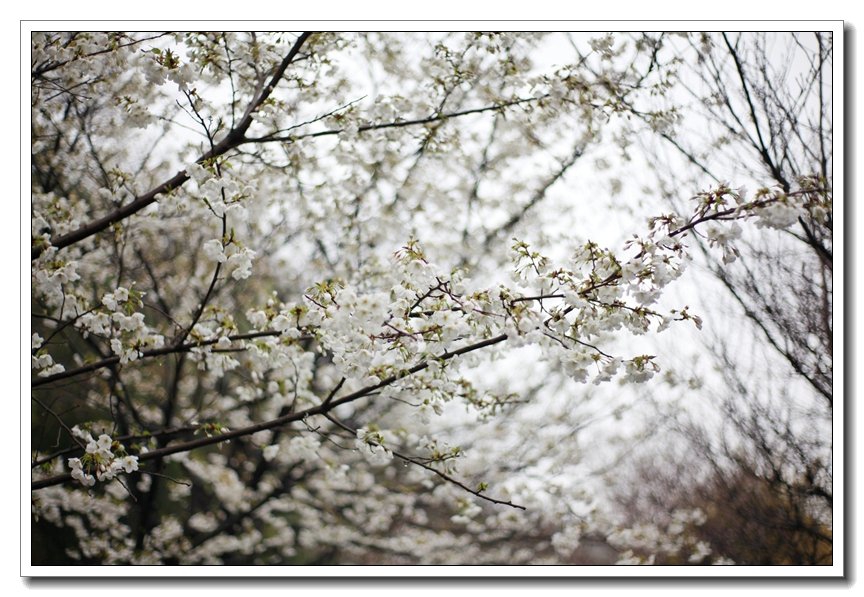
(60,421)
(394,124)
(432,469)
(538,196)
(333,392)
(45,67)
(763,150)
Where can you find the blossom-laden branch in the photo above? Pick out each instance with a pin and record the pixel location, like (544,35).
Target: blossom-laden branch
(289,418)
(40,70)
(236,137)
(232,139)
(775,209)
(711,209)
(164,434)
(147,354)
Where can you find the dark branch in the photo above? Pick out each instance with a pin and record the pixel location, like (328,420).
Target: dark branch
(289,418)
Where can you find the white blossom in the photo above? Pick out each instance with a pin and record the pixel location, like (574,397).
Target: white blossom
(241,263)
(213,250)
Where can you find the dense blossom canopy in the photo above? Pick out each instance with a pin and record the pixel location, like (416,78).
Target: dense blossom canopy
(314,298)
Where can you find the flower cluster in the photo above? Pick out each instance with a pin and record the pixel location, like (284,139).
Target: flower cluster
(50,274)
(303,447)
(722,236)
(371,446)
(122,323)
(42,361)
(103,459)
(161,65)
(237,259)
(592,295)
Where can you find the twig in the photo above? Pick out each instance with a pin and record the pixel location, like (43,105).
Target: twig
(421,464)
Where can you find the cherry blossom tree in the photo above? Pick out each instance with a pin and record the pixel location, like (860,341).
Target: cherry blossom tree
(331,298)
